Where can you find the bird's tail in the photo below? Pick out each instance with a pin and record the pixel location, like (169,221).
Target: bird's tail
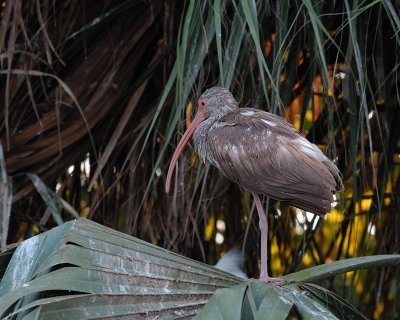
(309,198)
(336,174)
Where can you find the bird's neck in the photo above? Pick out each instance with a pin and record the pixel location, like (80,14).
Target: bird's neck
(200,137)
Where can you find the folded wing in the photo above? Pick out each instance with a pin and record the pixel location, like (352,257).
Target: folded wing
(264,154)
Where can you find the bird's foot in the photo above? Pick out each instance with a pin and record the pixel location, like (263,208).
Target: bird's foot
(275,281)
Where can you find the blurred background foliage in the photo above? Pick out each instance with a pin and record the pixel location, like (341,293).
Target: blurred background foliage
(96,94)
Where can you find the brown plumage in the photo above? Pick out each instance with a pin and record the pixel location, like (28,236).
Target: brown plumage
(264,154)
(261,152)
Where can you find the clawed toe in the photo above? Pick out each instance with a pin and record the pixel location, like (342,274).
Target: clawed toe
(274,281)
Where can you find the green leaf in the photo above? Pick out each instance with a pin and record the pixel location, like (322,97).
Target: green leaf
(233,46)
(133,306)
(29,256)
(250,13)
(257,300)
(307,308)
(335,303)
(52,199)
(5,258)
(225,304)
(5,200)
(329,270)
(116,273)
(269,301)
(218,37)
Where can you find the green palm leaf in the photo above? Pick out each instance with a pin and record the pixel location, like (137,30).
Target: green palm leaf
(82,270)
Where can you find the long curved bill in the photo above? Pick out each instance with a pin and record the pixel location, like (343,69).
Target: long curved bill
(181,145)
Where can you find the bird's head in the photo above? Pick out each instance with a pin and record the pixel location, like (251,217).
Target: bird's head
(213,103)
(216,102)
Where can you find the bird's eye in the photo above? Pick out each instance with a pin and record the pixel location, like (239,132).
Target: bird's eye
(202,103)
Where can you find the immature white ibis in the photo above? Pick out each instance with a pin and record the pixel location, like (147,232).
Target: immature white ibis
(262,153)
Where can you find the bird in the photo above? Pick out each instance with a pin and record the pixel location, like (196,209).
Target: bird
(262,153)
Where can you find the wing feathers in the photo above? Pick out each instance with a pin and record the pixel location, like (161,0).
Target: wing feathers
(264,154)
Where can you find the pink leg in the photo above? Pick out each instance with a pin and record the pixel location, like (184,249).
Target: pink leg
(264,242)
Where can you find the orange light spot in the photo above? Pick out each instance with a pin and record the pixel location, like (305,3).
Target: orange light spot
(300,58)
(328,260)
(297,85)
(267,47)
